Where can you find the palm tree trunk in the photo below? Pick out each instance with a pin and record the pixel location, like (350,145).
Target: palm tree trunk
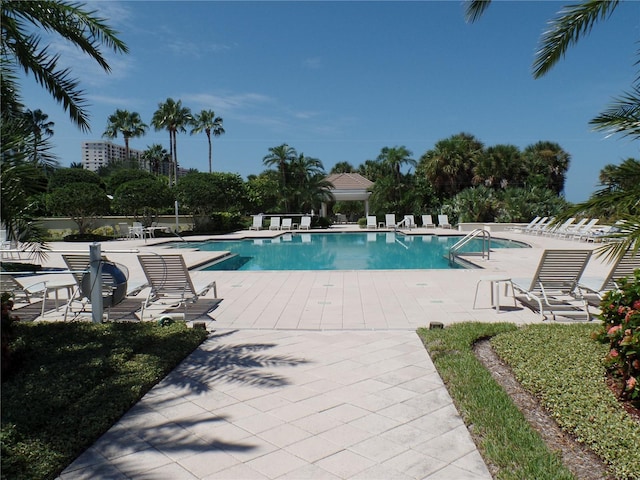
(175,158)
(170,157)
(209,140)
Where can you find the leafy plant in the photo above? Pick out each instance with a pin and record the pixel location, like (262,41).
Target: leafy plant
(621,330)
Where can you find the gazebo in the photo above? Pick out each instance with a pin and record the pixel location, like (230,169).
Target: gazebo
(349,187)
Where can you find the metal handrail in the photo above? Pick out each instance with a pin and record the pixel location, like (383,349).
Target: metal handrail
(486,243)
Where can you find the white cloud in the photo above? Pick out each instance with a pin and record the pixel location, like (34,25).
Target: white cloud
(312,63)
(227,103)
(195,50)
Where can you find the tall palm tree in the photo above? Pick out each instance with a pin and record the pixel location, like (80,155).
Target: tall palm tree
(173,117)
(280,157)
(21,49)
(41,129)
(207,121)
(129,124)
(395,158)
(306,182)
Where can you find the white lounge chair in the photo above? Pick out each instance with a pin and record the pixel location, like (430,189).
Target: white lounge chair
(623,267)
(443,221)
(21,293)
(371,221)
(275,223)
(543,226)
(554,286)
(113,284)
(427,222)
(569,231)
(305,223)
(171,284)
(527,227)
(555,230)
(585,230)
(408,222)
(137,231)
(286,224)
(257,223)
(390,220)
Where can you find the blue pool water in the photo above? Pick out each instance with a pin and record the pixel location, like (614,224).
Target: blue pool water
(340,251)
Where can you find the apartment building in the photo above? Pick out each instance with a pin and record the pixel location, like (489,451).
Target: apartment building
(100,153)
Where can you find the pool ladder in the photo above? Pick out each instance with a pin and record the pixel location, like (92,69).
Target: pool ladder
(486,244)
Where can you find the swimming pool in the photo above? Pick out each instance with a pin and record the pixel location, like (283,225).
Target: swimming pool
(340,251)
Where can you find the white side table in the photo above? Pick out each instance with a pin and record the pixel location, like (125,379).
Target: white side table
(495,283)
(55,287)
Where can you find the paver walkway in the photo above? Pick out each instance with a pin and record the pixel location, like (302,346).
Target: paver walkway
(292,404)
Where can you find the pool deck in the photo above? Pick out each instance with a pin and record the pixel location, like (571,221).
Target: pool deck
(312,374)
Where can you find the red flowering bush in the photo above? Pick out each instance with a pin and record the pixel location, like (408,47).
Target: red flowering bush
(621,329)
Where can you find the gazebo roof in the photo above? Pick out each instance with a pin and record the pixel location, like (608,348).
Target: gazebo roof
(349,181)
(350,186)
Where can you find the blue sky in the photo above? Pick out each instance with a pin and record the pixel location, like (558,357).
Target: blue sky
(339,81)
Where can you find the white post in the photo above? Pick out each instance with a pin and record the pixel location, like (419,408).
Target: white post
(95,276)
(177,217)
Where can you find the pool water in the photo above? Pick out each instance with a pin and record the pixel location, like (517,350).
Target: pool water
(341,251)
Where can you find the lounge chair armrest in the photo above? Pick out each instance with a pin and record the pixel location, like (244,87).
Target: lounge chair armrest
(136,290)
(37,287)
(206,289)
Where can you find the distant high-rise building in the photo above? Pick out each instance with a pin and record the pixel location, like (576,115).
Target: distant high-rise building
(100,153)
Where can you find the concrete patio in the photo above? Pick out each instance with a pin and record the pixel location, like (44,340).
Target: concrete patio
(312,374)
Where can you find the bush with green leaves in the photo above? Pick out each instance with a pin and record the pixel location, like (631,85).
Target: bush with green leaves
(621,330)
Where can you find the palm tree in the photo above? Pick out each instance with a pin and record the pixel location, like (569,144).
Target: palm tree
(207,121)
(307,184)
(280,157)
(395,158)
(41,130)
(449,165)
(498,167)
(548,162)
(156,156)
(343,167)
(173,117)
(129,124)
(22,50)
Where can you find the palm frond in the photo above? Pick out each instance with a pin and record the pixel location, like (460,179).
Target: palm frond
(573,22)
(627,237)
(622,117)
(475,9)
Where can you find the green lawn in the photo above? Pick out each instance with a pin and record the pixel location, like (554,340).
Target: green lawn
(562,366)
(73,381)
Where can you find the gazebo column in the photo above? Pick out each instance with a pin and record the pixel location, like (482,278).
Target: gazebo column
(366,207)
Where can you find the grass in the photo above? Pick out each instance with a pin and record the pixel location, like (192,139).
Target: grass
(73,381)
(562,366)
